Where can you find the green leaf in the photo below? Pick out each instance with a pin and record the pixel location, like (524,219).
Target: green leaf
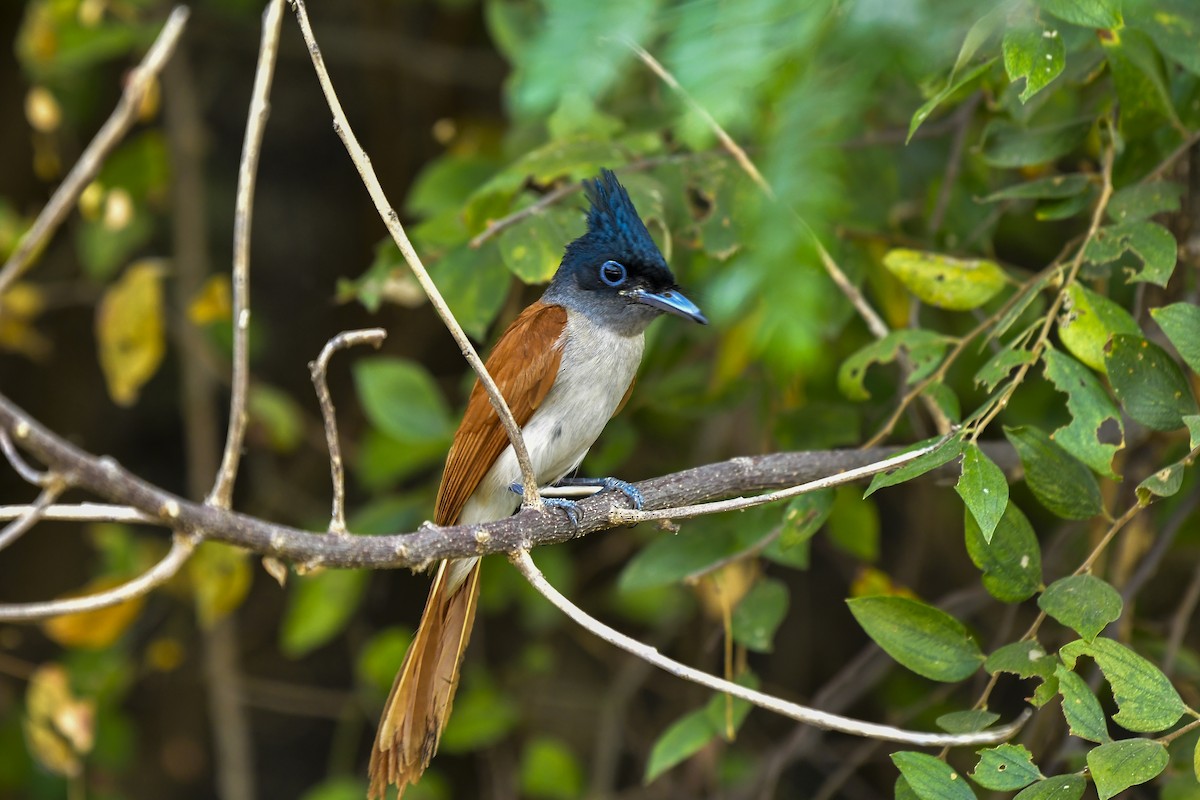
(1163,483)
(1026,659)
(804,517)
(550,770)
(1143,200)
(1118,765)
(759,615)
(1149,242)
(931,778)
(983,489)
(474,282)
(1060,787)
(1005,768)
(319,606)
(927,640)
(1082,710)
(1096,431)
(924,348)
(1035,54)
(854,524)
(1000,365)
(1181,323)
(955,84)
(483,715)
(1141,84)
(1053,187)
(944,453)
(1149,384)
(939,280)
(1193,425)
(343,788)
(1083,603)
(1087,321)
(1146,700)
(401,399)
(380,659)
(971,721)
(533,249)
(1012,561)
(1174,25)
(681,741)
(1059,482)
(1007,145)
(1087,13)
(669,559)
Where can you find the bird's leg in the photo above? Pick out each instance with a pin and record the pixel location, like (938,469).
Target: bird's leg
(608,484)
(568,507)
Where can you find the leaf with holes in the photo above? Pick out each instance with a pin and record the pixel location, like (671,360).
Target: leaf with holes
(1027,660)
(924,348)
(1150,385)
(1096,431)
(1149,242)
(1146,700)
(1087,322)
(1005,768)
(1035,54)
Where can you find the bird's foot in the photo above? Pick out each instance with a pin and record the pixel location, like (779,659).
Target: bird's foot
(609,485)
(568,507)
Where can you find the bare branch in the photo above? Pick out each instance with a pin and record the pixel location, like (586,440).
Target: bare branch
(529,528)
(260,110)
(804,714)
(318,368)
(82,512)
(629,516)
(157,575)
(391,219)
(88,165)
(35,512)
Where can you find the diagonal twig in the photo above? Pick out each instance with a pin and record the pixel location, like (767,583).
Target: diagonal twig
(391,220)
(88,165)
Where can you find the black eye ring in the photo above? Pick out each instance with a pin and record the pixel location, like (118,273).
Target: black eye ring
(613,273)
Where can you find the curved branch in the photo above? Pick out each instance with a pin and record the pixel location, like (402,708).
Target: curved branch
(530,528)
(809,716)
(160,573)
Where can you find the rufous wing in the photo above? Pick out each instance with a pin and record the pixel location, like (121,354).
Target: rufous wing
(523,364)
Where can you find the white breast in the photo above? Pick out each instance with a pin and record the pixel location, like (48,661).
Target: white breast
(596,370)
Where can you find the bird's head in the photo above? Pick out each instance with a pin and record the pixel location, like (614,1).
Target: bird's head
(615,273)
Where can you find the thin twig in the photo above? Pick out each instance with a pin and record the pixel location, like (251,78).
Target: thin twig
(256,123)
(629,516)
(157,575)
(317,369)
(37,511)
(809,716)
(391,219)
(85,169)
(1180,620)
(962,120)
(82,512)
(1180,151)
(20,465)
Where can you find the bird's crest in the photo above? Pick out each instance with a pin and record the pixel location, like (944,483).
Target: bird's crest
(614,223)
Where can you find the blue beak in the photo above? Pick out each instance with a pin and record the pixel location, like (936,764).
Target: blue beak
(671,301)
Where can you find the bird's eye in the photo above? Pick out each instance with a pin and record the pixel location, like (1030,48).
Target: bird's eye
(612,273)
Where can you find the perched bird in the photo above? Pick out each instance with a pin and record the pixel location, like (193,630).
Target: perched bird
(565,366)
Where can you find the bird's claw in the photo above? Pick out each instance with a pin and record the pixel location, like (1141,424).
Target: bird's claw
(609,484)
(568,507)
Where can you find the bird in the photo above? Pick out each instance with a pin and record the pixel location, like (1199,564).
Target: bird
(565,366)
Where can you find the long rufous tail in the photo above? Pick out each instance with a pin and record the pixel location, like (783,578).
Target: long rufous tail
(419,704)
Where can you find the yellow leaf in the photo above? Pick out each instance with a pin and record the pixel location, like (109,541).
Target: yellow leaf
(58,727)
(19,307)
(212,303)
(722,590)
(164,655)
(129,329)
(93,630)
(220,577)
(871,582)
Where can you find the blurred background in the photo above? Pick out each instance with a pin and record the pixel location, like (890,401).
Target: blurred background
(225,684)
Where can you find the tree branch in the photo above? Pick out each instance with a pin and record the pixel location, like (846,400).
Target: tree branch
(527,529)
